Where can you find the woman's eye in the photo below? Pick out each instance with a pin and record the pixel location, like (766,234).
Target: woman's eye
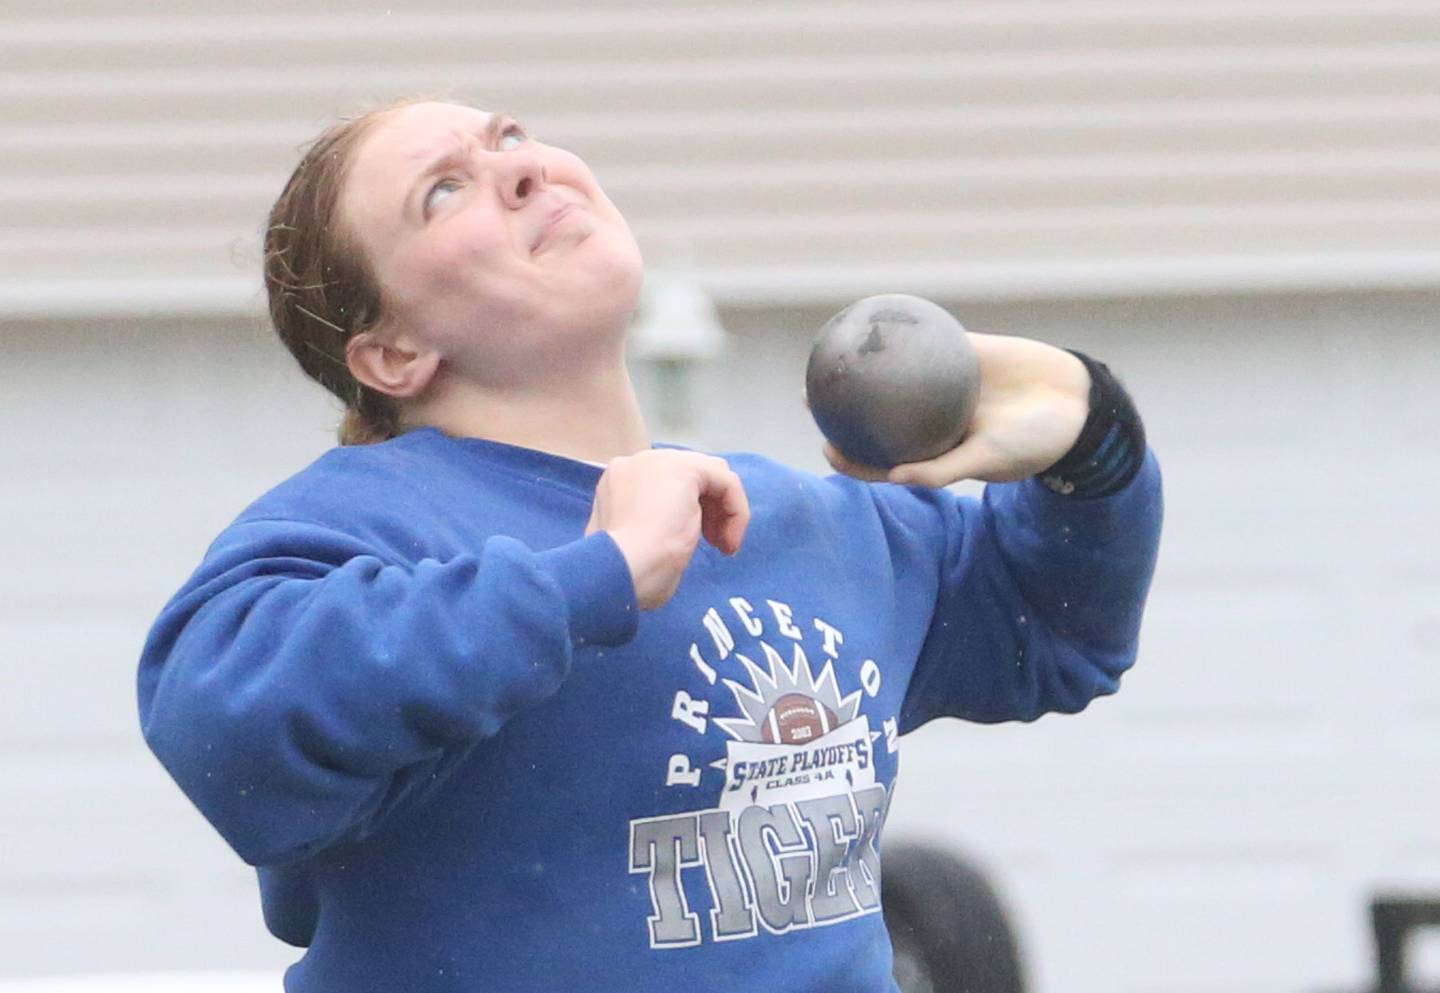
(512,137)
(438,192)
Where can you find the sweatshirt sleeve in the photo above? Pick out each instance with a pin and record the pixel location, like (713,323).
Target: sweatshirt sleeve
(300,686)
(1039,599)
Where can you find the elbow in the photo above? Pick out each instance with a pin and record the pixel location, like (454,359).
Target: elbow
(273,850)
(1076,677)
(1093,674)
(268,809)
(1083,688)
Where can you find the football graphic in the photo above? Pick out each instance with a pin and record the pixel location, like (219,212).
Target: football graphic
(797,719)
(787,704)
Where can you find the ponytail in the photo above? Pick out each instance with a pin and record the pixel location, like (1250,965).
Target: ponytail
(363,424)
(321,289)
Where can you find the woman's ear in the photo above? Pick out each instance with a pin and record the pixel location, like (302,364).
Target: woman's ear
(391,364)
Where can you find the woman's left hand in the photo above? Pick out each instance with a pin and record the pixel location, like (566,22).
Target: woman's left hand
(1034,399)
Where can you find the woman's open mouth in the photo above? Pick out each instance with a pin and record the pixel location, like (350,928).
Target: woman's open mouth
(551,226)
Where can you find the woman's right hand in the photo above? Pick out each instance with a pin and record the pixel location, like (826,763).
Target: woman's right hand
(656,503)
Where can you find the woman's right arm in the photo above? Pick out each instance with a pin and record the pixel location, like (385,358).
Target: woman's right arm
(299,687)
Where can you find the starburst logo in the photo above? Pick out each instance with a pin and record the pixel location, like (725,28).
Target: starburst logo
(787,706)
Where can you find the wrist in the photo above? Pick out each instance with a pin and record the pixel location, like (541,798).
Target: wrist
(1111,446)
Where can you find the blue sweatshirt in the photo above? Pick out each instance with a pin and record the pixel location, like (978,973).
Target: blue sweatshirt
(406,687)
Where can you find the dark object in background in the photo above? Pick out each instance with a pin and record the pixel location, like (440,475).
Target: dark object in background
(1393,919)
(947,925)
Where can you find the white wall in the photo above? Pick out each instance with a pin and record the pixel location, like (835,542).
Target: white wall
(1215,827)
(126,448)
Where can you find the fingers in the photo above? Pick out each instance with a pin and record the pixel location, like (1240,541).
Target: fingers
(971,459)
(841,463)
(724,516)
(724,528)
(657,504)
(724,506)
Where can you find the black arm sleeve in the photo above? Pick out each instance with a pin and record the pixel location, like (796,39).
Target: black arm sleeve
(1111,446)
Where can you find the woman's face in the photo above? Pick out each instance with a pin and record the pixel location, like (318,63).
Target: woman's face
(498,252)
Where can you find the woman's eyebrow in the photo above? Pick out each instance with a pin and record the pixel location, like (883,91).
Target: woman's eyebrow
(454,155)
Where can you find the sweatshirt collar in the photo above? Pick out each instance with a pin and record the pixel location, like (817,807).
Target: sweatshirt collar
(578,473)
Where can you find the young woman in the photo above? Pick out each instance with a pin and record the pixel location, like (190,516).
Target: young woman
(477,700)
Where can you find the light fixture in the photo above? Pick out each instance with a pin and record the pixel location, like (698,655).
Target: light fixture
(677,329)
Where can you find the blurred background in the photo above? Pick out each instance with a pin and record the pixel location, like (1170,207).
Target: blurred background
(1234,204)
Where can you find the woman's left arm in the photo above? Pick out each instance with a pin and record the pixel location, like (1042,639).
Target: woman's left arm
(1043,580)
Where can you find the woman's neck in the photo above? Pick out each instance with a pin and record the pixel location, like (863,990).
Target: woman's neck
(593,418)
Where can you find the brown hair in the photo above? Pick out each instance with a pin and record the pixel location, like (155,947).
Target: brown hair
(321,288)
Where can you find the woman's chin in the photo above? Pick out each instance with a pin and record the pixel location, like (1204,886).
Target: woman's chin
(620,279)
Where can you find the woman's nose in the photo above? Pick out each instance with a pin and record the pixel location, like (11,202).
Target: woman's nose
(523,177)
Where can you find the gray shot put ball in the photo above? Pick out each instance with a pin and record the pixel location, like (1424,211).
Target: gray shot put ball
(893,378)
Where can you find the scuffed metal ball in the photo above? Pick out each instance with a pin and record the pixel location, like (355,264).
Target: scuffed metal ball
(893,378)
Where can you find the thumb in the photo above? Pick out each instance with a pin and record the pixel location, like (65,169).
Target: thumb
(724,508)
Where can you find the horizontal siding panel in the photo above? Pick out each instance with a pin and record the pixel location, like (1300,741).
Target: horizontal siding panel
(694,83)
(1401,126)
(96,659)
(273,29)
(789,25)
(1322,806)
(920,237)
(936,184)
